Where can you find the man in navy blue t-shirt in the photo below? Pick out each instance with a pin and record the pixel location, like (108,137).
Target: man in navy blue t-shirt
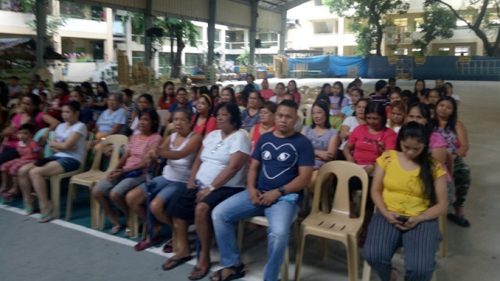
(281,167)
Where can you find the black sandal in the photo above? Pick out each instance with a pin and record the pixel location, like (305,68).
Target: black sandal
(198,274)
(172,263)
(238,272)
(459,219)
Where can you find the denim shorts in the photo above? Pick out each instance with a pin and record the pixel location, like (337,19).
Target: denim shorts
(163,188)
(67,163)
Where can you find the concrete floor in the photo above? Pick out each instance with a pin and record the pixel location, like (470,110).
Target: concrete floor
(55,251)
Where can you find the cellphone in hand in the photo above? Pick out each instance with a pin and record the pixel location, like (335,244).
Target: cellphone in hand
(402,219)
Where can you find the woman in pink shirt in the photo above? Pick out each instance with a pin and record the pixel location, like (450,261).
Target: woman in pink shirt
(29,113)
(130,171)
(370,140)
(266,93)
(293,90)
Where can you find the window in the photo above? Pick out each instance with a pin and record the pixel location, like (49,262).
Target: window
(232,58)
(81,11)
(82,50)
(444,51)
(462,51)
(137,57)
(199,35)
(402,24)
(235,39)
(401,52)
(418,24)
(318,2)
(264,59)
(217,39)
(268,39)
(194,59)
(119,25)
(164,63)
(325,27)
(349,50)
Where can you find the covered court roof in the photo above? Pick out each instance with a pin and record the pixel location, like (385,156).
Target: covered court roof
(228,12)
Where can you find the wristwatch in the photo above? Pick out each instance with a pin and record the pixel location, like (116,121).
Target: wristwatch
(282,190)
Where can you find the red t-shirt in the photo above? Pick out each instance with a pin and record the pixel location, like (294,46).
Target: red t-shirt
(266,94)
(368,146)
(28,151)
(207,127)
(165,104)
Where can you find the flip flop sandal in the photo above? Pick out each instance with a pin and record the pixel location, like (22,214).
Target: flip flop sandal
(238,272)
(144,244)
(117,228)
(198,274)
(169,247)
(45,218)
(10,196)
(172,263)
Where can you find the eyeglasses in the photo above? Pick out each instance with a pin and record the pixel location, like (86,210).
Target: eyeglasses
(219,144)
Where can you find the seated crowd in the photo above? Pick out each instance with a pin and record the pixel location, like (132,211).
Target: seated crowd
(225,156)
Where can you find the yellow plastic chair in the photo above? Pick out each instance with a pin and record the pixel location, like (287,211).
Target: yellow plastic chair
(337,224)
(91,177)
(443,228)
(262,221)
(55,184)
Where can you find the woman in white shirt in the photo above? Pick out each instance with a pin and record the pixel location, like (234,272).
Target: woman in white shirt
(69,148)
(218,173)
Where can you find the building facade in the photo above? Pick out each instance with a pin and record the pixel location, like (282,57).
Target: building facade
(316,28)
(89,37)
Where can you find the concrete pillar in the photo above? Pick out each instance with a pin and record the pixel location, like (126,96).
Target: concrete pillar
(283,33)
(340,44)
(148,23)
(253,34)
(56,38)
(109,54)
(128,40)
(212,14)
(156,64)
(41,32)
(223,49)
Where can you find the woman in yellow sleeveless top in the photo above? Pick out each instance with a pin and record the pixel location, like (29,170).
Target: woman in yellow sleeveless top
(409,192)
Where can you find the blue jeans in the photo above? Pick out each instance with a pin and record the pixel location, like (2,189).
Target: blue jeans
(163,188)
(239,207)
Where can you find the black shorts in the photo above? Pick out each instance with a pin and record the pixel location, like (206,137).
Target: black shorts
(182,204)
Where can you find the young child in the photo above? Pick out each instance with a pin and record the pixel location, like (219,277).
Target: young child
(28,151)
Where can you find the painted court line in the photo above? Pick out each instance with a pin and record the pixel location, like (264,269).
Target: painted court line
(109,237)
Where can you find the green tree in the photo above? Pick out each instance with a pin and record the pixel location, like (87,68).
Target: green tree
(181,31)
(368,18)
(244,58)
(477,17)
(438,22)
